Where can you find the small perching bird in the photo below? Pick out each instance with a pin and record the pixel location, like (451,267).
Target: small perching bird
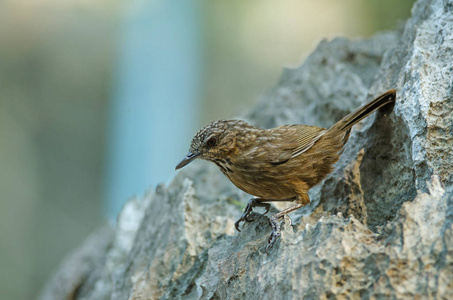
(277,164)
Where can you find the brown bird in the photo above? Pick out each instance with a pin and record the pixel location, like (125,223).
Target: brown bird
(277,164)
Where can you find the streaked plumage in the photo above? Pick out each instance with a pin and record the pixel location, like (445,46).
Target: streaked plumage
(281,163)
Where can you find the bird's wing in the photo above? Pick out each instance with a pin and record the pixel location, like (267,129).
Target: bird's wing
(293,140)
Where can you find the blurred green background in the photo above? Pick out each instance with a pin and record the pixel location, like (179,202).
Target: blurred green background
(62,68)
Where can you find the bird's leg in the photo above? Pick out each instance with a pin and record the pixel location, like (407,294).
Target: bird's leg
(248,210)
(275,219)
(275,224)
(253,203)
(267,206)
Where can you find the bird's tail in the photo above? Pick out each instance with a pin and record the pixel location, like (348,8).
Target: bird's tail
(345,124)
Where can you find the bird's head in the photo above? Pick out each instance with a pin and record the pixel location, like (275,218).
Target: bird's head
(216,140)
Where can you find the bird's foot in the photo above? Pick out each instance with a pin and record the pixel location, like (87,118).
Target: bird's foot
(276,232)
(248,210)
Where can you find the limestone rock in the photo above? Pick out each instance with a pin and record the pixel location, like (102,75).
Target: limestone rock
(380,226)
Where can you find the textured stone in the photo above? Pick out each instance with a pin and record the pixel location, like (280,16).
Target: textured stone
(380,226)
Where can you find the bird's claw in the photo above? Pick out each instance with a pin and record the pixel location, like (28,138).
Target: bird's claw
(245,216)
(267,206)
(249,209)
(276,231)
(237,223)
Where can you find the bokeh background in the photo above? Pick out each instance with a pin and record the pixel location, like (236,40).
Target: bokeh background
(100,99)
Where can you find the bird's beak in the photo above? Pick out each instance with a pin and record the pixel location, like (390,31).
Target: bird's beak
(186,160)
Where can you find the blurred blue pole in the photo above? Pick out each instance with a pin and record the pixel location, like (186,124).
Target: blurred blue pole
(155,99)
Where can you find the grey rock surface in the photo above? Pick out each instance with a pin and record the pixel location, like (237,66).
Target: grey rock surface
(379,227)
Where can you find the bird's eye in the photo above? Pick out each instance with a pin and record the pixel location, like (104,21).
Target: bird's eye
(211,142)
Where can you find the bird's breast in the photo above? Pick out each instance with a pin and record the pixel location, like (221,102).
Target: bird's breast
(256,179)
